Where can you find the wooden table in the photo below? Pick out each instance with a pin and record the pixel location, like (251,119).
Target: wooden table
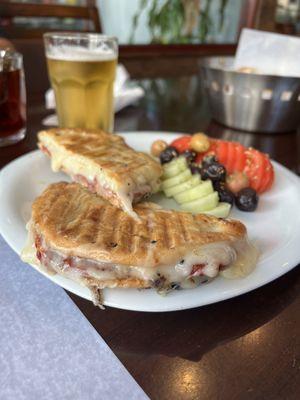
(243,348)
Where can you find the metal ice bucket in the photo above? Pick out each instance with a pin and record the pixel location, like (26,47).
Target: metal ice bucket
(251,102)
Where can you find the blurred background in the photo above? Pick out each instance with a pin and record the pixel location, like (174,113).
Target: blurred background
(167,21)
(158,38)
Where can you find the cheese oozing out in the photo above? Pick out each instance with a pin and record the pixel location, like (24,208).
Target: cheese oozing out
(96,178)
(201,265)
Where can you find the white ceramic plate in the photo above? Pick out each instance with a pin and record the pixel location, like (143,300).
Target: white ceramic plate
(274,227)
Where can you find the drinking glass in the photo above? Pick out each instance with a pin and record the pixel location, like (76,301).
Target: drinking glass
(82,69)
(12,98)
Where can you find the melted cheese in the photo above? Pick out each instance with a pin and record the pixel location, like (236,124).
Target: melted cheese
(239,259)
(77,165)
(245,263)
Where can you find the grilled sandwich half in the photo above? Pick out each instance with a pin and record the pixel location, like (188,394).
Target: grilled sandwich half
(79,235)
(104,163)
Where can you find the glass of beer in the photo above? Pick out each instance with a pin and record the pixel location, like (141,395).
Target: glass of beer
(82,69)
(12,98)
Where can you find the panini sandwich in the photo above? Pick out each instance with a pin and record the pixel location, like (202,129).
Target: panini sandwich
(81,236)
(104,163)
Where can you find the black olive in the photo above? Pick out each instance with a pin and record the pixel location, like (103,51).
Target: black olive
(207,160)
(214,172)
(224,193)
(190,155)
(217,185)
(195,169)
(246,199)
(168,154)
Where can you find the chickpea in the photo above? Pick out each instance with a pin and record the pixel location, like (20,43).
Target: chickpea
(200,142)
(157,147)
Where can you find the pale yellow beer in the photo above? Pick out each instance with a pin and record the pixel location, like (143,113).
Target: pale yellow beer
(82,68)
(83,92)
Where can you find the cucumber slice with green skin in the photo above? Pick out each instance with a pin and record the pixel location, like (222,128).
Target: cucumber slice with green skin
(201,190)
(192,182)
(175,170)
(176,161)
(182,177)
(221,211)
(204,204)
(174,167)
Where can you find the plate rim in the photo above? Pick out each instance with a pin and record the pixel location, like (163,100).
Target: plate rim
(168,307)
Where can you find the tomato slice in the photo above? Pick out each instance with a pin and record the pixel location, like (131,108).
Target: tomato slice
(222,152)
(240,157)
(268,177)
(230,157)
(181,144)
(236,158)
(255,168)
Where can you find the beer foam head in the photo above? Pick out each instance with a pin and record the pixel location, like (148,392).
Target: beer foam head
(78,53)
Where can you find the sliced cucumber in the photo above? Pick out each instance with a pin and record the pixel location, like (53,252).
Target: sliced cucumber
(174,167)
(201,190)
(193,194)
(192,182)
(182,177)
(176,161)
(204,204)
(221,211)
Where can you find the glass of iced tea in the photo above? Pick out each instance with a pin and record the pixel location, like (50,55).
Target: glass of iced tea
(82,68)
(12,98)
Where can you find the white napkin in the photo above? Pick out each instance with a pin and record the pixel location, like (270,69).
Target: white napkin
(124,95)
(268,53)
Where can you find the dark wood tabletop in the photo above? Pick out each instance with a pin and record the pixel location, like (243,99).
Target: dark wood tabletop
(243,348)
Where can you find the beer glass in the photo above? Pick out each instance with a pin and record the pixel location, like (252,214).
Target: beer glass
(12,98)
(82,68)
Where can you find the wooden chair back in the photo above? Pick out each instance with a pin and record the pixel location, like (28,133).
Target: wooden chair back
(8,11)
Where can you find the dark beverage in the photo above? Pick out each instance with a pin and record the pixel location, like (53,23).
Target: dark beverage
(12,118)
(12,101)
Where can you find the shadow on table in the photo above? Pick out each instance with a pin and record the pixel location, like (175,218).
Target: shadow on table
(190,334)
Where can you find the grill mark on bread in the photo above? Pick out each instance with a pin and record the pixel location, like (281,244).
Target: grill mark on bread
(167,240)
(106,158)
(113,154)
(127,236)
(117,229)
(182,228)
(98,232)
(106,234)
(157,228)
(138,236)
(92,218)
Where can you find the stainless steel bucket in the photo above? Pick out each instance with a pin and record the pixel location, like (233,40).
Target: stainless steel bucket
(251,102)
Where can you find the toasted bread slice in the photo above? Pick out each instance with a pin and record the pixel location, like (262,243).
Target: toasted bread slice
(80,235)
(104,163)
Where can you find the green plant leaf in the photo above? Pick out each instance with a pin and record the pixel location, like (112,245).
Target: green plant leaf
(222,8)
(135,19)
